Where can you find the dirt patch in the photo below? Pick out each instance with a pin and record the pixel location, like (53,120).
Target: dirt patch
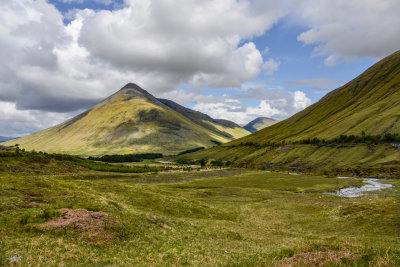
(94,226)
(318,258)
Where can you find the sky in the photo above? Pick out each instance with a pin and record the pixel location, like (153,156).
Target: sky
(231,59)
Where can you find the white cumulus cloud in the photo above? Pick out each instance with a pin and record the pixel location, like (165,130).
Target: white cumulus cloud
(273,104)
(47,66)
(201,42)
(343,29)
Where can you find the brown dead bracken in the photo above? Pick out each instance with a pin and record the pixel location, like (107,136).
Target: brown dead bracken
(92,225)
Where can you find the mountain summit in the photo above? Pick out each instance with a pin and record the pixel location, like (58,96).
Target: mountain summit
(133,121)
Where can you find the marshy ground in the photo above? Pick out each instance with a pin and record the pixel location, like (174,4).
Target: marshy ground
(215,218)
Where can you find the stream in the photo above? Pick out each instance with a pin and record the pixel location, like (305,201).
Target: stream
(370,185)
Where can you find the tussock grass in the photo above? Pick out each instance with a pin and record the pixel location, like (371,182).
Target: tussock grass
(217,218)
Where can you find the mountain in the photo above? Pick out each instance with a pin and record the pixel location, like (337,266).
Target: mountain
(367,105)
(5,138)
(133,121)
(259,123)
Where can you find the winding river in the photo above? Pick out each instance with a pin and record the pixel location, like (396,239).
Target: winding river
(371,184)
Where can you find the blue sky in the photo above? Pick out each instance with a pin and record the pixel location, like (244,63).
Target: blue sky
(297,62)
(234,60)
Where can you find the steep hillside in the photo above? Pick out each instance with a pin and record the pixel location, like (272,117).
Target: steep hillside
(225,128)
(259,123)
(367,105)
(132,121)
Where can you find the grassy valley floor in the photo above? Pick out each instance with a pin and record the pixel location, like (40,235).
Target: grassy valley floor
(214,218)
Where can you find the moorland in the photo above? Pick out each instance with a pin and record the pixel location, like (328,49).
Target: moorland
(165,216)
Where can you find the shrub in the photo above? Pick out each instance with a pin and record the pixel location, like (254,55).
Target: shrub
(217,163)
(127,157)
(184,161)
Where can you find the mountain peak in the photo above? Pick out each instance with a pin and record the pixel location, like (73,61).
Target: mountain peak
(134,90)
(132,85)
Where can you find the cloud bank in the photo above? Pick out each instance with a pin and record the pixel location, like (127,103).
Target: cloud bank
(48,67)
(344,29)
(273,103)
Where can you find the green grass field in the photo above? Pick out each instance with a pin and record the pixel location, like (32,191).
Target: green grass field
(215,218)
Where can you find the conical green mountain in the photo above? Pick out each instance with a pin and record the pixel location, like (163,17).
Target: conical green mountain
(132,121)
(370,103)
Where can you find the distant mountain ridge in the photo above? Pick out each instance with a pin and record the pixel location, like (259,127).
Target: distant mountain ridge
(259,123)
(133,121)
(5,138)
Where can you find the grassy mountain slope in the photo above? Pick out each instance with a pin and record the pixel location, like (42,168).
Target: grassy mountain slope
(370,103)
(130,121)
(225,128)
(259,123)
(352,159)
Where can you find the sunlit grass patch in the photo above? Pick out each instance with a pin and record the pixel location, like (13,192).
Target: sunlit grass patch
(222,217)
